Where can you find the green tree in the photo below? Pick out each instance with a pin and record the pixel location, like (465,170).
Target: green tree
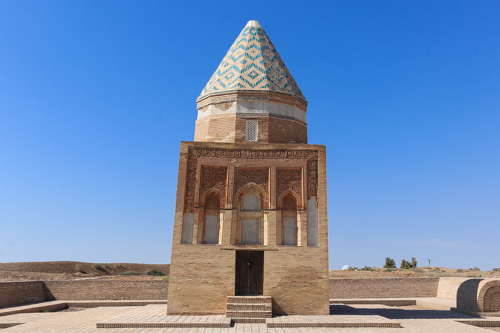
(389,263)
(413,262)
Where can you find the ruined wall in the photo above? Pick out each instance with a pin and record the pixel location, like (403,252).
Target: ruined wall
(479,295)
(383,288)
(16,293)
(105,290)
(448,287)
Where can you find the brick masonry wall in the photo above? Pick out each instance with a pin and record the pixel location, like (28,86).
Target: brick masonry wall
(105,290)
(220,128)
(283,131)
(383,288)
(229,128)
(203,275)
(16,293)
(475,294)
(448,287)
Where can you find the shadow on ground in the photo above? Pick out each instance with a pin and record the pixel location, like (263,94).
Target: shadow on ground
(415,314)
(348,310)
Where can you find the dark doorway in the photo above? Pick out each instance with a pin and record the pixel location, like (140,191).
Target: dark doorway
(249,272)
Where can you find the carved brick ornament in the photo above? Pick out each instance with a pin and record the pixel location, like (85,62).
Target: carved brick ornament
(214,178)
(212,201)
(194,153)
(289,179)
(259,176)
(289,203)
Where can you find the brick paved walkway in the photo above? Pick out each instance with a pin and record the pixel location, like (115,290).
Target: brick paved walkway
(412,320)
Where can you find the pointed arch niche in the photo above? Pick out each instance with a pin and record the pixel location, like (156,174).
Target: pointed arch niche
(249,226)
(211,216)
(289,220)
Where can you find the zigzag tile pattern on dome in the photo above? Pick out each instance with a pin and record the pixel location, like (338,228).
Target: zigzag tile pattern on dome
(252,64)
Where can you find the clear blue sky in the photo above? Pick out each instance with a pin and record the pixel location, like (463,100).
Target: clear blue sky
(95,97)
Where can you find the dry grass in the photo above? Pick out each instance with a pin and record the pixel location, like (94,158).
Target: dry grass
(413,273)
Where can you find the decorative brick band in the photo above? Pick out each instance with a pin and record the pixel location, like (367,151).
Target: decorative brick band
(264,114)
(252,96)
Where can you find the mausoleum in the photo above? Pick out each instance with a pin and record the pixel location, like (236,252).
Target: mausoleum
(251,229)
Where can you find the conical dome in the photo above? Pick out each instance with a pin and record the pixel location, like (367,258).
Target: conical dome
(252,97)
(252,64)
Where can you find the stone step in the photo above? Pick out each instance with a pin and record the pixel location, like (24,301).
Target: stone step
(249,299)
(249,314)
(249,320)
(248,306)
(249,309)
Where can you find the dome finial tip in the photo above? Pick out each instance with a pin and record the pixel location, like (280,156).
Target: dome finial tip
(253,23)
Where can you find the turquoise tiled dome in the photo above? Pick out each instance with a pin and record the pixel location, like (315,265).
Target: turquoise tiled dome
(252,64)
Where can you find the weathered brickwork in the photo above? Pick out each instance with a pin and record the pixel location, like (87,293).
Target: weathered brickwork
(203,275)
(105,290)
(219,128)
(383,288)
(232,128)
(284,131)
(479,295)
(251,206)
(16,293)
(448,287)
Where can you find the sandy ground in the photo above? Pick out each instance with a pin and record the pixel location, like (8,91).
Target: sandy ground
(72,270)
(411,273)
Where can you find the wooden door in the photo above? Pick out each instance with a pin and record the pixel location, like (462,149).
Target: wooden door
(249,272)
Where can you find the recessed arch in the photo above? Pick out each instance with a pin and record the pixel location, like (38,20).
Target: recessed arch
(297,198)
(211,216)
(252,188)
(289,228)
(489,297)
(250,207)
(211,191)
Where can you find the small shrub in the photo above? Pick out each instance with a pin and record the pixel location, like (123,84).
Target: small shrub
(119,265)
(155,272)
(79,268)
(366,268)
(130,273)
(389,263)
(474,269)
(165,278)
(406,264)
(413,262)
(97,266)
(495,270)
(460,270)
(390,270)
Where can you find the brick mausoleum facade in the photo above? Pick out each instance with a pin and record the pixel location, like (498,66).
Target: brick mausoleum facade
(251,210)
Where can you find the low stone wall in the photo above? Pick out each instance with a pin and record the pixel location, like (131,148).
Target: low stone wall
(383,288)
(448,287)
(16,293)
(105,290)
(479,295)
